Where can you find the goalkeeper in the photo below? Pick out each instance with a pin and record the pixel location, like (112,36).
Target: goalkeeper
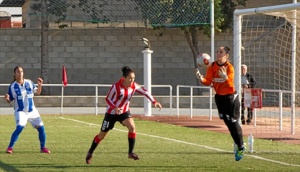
(221,75)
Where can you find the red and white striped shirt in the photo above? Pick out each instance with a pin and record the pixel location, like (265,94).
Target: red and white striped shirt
(119,96)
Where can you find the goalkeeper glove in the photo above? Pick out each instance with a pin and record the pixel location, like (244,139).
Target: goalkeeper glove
(198,75)
(222,73)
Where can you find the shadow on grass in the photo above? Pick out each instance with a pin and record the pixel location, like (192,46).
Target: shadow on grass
(7,167)
(93,167)
(96,167)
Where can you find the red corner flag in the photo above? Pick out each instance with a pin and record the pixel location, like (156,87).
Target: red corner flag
(64,76)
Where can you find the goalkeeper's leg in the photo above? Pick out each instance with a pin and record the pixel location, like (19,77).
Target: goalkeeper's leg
(235,131)
(237,135)
(231,119)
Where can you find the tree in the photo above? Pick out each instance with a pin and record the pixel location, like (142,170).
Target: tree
(94,9)
(59,9)
(44,45)
(46,7)
(189,15)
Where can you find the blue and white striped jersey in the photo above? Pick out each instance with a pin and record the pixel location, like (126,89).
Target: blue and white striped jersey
(22,95)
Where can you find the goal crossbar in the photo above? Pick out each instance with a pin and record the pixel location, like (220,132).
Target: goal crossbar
(267,9)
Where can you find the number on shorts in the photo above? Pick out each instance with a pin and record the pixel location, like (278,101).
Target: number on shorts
(105,125)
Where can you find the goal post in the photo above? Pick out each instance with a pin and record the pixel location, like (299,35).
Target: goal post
(237,30)
(264,39)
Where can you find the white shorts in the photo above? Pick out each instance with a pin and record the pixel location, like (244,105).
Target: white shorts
(33,117)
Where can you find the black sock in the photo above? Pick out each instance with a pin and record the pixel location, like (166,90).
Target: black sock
(131,142)
(93,147)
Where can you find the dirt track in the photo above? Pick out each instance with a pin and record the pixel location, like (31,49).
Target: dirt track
(217,125)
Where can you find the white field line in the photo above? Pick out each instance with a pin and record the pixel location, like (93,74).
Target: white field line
(189,143)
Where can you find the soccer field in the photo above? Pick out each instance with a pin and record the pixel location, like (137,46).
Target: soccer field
(161,147)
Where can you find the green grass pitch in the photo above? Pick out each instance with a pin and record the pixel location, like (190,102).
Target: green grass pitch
(161,147)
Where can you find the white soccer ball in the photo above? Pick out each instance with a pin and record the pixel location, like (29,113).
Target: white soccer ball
(203,60)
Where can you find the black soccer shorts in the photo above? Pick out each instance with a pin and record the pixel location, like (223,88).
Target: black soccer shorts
(228,104)
(109,120)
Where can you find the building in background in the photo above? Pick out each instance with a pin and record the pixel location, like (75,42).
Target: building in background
(5,19)
(11,13)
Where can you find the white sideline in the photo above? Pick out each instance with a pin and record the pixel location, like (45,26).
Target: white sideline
(188,143)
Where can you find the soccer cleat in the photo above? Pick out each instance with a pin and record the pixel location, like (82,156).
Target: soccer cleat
(88,158)
(133,156)
(9,150)
(45,150)
(239,154)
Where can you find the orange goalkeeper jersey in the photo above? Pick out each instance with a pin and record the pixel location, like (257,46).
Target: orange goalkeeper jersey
(221,86)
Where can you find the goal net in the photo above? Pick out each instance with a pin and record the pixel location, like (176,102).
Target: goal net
(265,40)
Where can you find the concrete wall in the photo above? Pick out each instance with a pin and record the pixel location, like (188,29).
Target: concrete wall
(96,56)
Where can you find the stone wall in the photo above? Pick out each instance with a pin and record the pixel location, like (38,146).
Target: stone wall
(96,56)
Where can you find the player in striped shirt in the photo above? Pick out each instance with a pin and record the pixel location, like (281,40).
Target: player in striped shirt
(221,75)
(118,99)
(21,91)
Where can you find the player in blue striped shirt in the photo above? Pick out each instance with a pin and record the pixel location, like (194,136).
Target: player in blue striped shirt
(21,91)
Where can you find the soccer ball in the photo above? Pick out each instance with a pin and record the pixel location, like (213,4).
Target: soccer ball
(203,60)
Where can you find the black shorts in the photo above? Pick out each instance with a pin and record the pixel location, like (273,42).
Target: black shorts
(110,120)
(228,104)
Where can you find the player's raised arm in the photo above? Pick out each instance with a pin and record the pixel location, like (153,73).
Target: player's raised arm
(39,88)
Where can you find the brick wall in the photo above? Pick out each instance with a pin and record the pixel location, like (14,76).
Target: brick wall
(97,55)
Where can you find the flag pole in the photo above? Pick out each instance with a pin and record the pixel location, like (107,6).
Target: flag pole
(62,99)
(64,83)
